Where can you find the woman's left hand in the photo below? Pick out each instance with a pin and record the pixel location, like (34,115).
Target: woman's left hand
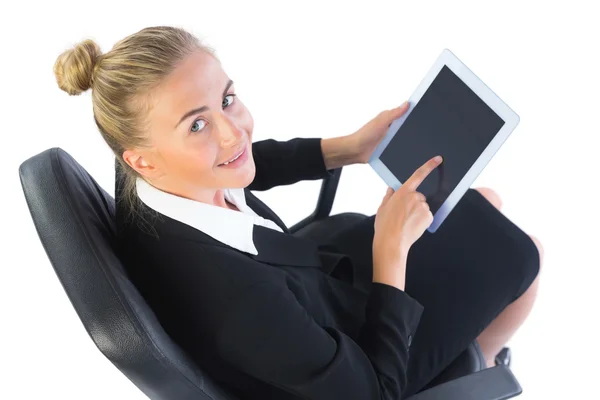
(368,137)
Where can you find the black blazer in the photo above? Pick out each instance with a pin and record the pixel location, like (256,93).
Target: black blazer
(277,325)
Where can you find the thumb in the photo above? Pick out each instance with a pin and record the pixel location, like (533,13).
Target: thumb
(401,108)
(398,111)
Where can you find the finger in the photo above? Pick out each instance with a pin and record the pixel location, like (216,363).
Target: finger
(421,197)
(388,195)
(420,174)
(397,112)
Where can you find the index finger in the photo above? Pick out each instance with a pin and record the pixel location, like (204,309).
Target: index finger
(420,174)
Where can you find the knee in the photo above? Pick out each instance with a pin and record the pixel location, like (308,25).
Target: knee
(491,196)
(534,259)
(529,270)
(540,249)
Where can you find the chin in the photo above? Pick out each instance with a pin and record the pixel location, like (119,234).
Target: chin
(250,176)
(245,179)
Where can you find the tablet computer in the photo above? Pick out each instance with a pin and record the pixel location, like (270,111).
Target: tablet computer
(452,113)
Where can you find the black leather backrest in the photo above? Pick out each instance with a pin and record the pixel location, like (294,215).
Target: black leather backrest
(74,218)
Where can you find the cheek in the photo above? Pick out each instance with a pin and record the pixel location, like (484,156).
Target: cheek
(206,158)
(247,120)
(197,162)
(250,124)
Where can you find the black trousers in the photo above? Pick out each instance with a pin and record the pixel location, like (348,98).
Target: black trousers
(465,274)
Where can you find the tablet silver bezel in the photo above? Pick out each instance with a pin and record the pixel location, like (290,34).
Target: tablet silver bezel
(447,58)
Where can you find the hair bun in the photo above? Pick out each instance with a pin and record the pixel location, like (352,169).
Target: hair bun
(74,68)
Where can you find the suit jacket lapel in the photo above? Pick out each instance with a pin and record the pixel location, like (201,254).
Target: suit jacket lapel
(263,210)
(274,247)
(284,249)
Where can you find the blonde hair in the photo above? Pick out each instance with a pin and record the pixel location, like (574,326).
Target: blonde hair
(122,82)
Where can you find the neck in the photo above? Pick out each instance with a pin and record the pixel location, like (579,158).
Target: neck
(214,197)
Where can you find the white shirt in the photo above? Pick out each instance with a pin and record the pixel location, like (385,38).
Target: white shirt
(233,228)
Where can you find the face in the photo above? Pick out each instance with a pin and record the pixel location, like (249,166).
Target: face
(196,123)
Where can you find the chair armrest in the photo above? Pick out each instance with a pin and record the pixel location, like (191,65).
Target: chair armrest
(496,383)
(325,201)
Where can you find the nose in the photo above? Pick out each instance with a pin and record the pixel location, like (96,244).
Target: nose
(229,133)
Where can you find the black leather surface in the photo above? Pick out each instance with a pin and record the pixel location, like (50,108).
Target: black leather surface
(471,360)
(497,383)
(74,218)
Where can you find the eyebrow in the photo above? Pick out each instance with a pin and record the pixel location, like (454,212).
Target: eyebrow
(203,108)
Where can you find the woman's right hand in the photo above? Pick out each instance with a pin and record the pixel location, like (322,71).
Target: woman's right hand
(401,219)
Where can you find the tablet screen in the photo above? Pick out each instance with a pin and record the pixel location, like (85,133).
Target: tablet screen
(450,120)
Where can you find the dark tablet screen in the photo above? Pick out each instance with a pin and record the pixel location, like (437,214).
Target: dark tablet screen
(449,120)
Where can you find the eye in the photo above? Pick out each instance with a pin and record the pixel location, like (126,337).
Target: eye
(226,103)
(231,95)
(199,122)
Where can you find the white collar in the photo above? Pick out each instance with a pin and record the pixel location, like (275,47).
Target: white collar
(233,228)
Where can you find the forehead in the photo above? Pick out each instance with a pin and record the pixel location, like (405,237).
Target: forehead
(197,80)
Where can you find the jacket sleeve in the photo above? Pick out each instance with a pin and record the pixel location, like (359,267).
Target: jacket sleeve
(284,163)
(270,336)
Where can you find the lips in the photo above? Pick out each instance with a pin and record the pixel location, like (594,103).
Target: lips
(236,155)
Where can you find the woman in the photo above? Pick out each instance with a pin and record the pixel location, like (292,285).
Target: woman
(375,312)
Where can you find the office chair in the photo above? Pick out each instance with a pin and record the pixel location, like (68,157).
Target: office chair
(74,218)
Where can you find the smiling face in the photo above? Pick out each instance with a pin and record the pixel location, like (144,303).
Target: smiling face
(195,124)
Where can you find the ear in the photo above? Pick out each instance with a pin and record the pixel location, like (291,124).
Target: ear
(141,163)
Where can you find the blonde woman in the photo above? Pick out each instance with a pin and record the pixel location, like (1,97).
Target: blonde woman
(375,312)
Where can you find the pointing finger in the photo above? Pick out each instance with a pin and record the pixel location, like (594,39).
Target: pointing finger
(420,174)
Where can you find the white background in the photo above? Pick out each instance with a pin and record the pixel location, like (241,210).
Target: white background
(322,69)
